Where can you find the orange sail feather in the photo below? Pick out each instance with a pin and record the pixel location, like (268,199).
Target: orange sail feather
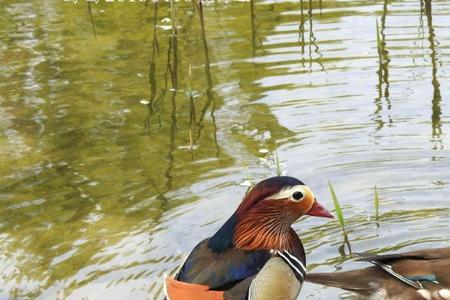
(178,290)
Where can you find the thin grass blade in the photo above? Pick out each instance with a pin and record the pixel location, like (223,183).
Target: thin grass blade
(377,204)
(338,208)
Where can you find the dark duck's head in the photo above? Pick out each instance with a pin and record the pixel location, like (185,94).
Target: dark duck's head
(263,219)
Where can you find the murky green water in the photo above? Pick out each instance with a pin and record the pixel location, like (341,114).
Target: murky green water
(100,193)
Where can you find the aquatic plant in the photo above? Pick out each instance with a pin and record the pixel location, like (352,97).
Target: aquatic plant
(191,108)
(377,204)
(379,43)
(277,165)
(338,209)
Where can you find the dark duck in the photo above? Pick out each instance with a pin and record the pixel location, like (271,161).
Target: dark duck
(415,275)
(256,254)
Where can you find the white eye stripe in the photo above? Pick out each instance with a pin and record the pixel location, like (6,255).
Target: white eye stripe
(287,193)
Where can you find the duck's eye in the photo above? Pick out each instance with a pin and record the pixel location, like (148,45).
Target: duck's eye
(297,195)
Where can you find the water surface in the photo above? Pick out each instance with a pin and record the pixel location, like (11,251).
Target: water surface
(128,132)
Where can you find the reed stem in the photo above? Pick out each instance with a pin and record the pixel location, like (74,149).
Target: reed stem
(377,204)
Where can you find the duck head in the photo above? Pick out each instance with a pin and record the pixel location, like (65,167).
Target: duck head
(263,219)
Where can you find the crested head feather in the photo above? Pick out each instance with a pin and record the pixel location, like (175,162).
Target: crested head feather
(264,189)
(224,237)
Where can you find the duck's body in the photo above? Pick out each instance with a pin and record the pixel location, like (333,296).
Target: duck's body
(238,274)
(255,255)
(423,274)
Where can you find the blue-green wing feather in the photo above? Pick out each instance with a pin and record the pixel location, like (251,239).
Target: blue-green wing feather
(221,269)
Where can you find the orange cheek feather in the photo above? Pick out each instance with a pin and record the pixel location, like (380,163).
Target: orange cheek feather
(303,206)
(178,290)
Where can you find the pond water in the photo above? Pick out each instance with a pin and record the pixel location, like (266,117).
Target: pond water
(128,132)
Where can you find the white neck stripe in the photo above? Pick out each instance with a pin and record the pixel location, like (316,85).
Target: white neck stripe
(297,260)
(286,259)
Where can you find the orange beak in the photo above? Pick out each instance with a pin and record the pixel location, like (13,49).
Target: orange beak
(317,210)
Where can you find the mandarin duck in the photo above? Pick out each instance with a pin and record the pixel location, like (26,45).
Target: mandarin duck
(256,254)
(415,275)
